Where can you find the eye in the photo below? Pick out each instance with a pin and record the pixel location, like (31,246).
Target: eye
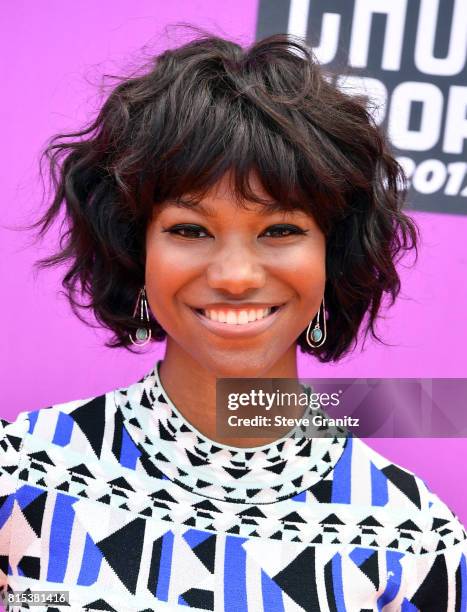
(283,230)
(186,230)
(192,231)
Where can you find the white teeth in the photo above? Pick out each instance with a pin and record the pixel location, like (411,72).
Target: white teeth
(237,317)
(231,317)
(242,317)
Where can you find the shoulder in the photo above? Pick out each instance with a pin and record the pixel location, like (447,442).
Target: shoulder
(75,432)
(73,426)
(12,436)
(425,517)
(82,428)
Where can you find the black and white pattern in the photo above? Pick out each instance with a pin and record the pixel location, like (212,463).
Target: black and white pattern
(118,500)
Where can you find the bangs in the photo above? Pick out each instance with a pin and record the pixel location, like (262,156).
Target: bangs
(219,130)
(229,138)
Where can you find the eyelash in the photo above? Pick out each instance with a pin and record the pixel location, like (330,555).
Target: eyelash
(292,229)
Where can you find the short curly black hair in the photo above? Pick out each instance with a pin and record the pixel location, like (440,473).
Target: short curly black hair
(197,112)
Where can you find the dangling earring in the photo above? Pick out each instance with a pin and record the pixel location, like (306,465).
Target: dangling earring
(143,333)
(317,337)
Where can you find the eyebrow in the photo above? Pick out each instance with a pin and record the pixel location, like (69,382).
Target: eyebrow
(208,211)
(193,205)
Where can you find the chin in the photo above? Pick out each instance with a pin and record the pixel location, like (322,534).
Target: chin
(241,365)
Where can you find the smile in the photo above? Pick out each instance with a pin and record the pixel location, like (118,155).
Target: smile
(237,317)
(237,322)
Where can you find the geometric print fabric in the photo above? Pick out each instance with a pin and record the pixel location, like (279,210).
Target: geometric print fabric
(118,500)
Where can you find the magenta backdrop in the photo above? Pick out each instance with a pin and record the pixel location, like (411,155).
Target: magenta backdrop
(51,53)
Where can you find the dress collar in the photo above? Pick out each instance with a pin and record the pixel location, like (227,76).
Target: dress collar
(262,474)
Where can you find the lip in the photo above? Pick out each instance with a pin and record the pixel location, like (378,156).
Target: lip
(236,306)
(240,330)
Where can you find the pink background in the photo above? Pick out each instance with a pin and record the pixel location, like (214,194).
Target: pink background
(52,56)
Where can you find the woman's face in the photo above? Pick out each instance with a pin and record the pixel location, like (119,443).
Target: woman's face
(214,273)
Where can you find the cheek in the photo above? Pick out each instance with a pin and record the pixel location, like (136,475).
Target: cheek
(305,271)
(162,273)
(308,276)
(168,272)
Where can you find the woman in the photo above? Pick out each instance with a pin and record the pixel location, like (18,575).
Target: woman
(236,203)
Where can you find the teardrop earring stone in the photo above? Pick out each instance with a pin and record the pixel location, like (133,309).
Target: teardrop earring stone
(316,334)
(141,334)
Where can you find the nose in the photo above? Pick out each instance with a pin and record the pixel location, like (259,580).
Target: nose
(235,269)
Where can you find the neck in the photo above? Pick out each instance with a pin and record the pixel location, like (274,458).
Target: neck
(192,389)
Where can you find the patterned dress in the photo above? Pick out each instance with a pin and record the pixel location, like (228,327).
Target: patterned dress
(118,501)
